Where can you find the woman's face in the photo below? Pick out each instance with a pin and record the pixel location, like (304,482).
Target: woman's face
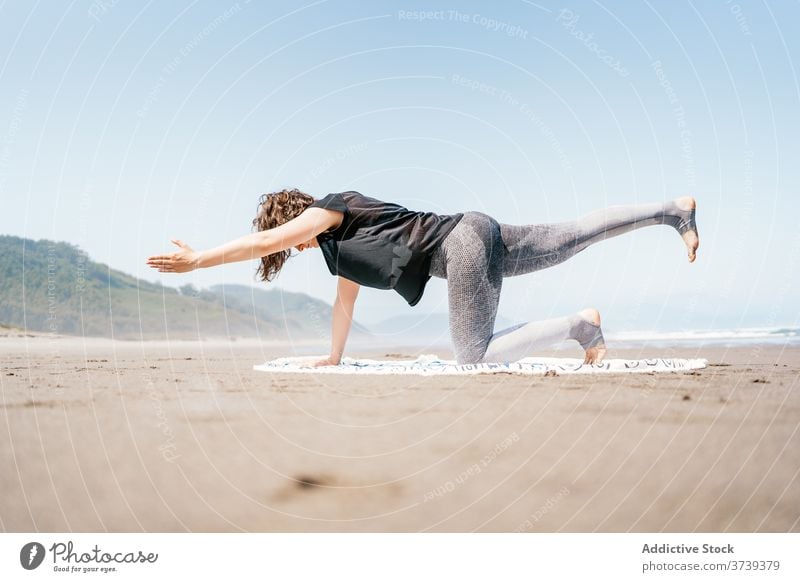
(309,244)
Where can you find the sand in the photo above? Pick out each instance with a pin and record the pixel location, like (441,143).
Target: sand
(101,435)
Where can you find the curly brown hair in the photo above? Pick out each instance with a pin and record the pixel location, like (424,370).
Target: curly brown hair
(274,209)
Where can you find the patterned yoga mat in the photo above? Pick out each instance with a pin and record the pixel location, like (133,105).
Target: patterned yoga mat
(431,365)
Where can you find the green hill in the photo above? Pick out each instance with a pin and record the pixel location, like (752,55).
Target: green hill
(54,287)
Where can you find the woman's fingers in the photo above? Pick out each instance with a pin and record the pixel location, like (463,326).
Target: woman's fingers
(594,355)
(164,265)
(163,259)
(178,262)
(171,259)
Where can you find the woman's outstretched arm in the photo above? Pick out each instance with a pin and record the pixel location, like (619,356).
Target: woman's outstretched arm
(309,224)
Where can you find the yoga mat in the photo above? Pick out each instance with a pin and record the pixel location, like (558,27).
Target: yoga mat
(431,365)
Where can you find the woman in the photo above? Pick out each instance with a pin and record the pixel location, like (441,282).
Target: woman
(369,242)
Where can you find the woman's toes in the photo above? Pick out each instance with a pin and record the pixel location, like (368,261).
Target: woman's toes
(595,355)
(692,242)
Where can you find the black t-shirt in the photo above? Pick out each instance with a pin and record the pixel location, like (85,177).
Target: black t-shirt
(382,245)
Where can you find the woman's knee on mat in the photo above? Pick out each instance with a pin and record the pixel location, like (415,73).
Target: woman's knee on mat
(469,356)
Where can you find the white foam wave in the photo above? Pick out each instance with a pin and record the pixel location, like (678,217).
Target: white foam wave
(743,335)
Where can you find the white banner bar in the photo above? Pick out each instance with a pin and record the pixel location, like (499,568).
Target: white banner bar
(373,557)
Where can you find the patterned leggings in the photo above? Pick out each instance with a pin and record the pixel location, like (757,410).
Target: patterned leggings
(479,252)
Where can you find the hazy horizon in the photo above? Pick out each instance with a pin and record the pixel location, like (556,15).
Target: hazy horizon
(411,322)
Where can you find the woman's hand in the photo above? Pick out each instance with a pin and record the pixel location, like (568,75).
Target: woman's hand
(182,261)
(329,361)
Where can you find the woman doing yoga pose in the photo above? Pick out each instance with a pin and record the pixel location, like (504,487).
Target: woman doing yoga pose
(378,244)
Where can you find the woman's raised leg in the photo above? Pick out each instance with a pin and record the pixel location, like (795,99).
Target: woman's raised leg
(479,252)
(537,246)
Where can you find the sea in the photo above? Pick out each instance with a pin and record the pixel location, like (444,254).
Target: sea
(745,336)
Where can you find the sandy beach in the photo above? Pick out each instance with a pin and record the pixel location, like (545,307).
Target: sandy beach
(103,435)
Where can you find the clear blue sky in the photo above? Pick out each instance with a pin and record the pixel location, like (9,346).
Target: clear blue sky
(123,124)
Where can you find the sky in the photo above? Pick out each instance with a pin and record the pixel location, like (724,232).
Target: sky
(125,124)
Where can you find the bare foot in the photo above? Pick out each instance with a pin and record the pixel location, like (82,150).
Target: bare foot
(690,236)
(596,353)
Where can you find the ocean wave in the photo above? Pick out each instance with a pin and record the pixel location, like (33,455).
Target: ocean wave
(740,335)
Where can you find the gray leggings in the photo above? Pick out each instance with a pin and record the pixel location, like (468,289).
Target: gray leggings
(479,252)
